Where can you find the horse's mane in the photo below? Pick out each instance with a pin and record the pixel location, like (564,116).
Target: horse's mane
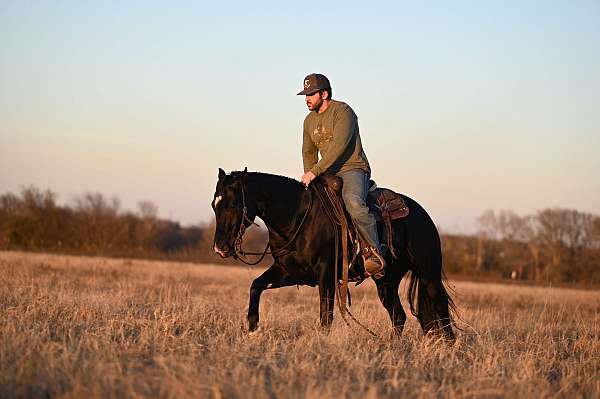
(272,178)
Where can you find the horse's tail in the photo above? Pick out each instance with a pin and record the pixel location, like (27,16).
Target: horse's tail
(434,307)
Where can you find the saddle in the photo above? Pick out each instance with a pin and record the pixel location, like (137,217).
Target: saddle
(386,205)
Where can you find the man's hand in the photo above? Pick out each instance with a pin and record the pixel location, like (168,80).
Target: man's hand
(307,178)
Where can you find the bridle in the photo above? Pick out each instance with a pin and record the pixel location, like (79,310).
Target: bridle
(239,252)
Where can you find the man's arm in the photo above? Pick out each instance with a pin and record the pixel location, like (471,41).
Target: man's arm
(344,126)
(309,150)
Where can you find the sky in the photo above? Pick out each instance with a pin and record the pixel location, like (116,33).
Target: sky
(464,106)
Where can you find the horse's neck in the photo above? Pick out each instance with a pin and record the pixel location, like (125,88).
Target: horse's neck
(279,203)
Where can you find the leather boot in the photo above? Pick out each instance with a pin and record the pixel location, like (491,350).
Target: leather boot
(374,264)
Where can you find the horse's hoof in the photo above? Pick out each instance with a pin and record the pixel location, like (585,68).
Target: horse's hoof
(396,333)
(325,328)
(252,323)
(254,332)
(253,327)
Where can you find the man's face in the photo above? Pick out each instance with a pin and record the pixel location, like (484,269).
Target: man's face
(314,101)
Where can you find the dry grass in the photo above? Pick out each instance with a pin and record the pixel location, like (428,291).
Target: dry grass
(94,327)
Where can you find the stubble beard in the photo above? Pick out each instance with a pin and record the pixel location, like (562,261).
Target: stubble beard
(316,106)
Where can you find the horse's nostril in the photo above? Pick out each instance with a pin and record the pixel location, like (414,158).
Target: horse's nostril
(223,251)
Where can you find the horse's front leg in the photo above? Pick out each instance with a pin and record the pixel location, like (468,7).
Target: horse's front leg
(326,297)
(273,277)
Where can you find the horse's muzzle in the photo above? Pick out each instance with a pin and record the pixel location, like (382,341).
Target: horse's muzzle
(223,253)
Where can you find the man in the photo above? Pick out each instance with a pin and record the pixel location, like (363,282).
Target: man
(331,129)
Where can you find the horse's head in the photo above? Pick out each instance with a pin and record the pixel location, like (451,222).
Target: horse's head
(234,211)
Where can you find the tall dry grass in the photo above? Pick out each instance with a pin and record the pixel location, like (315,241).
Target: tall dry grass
(93,327)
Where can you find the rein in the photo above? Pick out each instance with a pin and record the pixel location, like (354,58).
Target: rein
(338,218)
(239,251)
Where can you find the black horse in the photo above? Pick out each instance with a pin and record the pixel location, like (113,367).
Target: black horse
(301,238)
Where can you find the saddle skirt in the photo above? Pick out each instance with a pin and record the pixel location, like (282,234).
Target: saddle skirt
(384,203)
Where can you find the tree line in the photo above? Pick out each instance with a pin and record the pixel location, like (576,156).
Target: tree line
(96,225)
(551,246)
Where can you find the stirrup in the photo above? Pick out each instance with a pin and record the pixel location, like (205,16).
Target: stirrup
(379,272)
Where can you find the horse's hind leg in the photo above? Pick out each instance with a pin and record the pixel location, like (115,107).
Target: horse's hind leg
(387,289)
(441,303)
(434,313)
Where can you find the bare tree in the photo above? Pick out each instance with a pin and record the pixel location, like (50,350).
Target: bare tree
(100,224)
(148,211)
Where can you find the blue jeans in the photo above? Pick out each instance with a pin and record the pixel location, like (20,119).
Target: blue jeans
(354,192)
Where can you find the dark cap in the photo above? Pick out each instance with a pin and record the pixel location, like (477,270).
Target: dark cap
(313,83)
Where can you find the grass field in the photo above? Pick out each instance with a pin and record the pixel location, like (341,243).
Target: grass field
(93,327)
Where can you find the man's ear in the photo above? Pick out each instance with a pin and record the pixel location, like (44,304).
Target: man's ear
(221,174)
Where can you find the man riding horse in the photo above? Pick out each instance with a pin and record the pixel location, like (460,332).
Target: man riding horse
(303,235)
(331,129)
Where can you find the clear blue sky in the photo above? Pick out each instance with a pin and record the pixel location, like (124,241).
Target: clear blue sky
(464,106)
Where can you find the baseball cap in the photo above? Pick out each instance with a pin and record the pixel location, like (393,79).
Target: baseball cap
(315,82)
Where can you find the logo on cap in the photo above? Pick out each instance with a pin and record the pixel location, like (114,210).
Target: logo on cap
(306,84)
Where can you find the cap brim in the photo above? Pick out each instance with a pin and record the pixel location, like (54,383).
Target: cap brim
(307,92)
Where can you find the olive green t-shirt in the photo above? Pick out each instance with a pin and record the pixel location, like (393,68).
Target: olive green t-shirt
(335,135)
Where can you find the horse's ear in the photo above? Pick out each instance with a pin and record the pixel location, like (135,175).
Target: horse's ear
(221,174)
(245,171)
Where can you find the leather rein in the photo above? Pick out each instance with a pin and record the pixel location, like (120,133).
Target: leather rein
(239,252)
(337,217)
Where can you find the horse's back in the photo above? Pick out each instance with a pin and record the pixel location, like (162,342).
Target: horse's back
(418,214)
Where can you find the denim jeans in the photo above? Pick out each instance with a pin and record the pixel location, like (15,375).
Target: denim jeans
(354,192)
